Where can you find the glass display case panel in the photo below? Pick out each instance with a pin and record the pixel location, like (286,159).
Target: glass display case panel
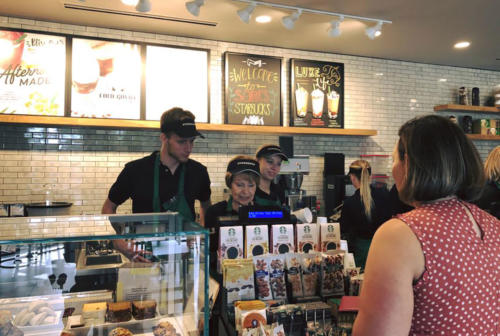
(89,275)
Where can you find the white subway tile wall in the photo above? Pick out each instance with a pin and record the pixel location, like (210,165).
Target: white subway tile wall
(380,94)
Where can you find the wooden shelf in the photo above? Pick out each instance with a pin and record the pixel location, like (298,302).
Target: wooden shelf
(146,124)
(484,137)
(466,108)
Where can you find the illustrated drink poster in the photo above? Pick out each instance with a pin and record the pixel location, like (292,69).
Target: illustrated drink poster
(106,79)
(32,73)
(176,77)
(253,90)
(317,94)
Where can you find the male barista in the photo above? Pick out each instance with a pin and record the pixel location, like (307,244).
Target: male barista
(168,179)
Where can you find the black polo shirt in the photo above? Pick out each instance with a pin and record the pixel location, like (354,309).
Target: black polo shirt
(277,193)
(137,178)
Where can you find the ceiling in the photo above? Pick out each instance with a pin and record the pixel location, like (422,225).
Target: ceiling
(421,31)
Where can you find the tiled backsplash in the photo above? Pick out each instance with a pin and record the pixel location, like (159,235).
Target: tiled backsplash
(79,164)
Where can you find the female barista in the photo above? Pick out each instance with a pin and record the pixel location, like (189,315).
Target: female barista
(363,212)
(242,177)
(268,192)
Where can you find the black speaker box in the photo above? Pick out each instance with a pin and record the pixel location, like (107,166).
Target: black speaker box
(286,144)
(334,164)
(334,192)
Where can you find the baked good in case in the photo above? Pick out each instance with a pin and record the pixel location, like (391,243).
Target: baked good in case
(5,316)
(164,329)
(120,332)
(94,313)
(144,309)
(119,311)
(8,329)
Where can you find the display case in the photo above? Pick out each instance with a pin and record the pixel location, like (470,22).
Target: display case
(103,275)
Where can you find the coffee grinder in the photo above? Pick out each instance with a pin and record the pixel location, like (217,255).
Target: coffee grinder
(292,173)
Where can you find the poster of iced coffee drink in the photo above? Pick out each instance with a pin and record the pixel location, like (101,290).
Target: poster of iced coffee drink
(253,89)
(105,79)
(317,94)
(32,73)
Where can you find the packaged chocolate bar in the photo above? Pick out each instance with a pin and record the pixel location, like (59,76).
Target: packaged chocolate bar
(256,240)
(277,276)
(332,273)
(307,237)
(282,238)
(294,274)
(330,236)
(311,270)
(230,244)
(261,264)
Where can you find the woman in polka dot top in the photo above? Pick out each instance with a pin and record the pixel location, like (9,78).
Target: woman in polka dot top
(436,269)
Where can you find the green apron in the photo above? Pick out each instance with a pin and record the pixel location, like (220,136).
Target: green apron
(361,251)
(265,201)
(178,202)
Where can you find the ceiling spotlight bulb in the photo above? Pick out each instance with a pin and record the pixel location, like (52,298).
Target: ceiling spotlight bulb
(130,2)
(143,6)
(245,13)
(334,29)
(193,7)
(374,31)
(289,21)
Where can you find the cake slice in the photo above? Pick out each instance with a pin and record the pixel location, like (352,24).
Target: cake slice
(144,309)
(94,313)
(119,311)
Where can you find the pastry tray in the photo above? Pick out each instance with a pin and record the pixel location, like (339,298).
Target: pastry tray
(137,327)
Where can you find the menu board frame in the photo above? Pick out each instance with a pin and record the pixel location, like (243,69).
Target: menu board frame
(256,60)
(325,76)
(36,99)
(144,115)
(142,47)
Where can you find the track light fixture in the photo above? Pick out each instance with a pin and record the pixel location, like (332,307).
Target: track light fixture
(245,13)
(130,2)
(334,29)
(143,6)
(374,31)
(289,21)
(193,7)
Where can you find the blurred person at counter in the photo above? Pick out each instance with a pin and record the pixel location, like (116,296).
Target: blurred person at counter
(166,179)
(434,270)
(363,212)
(490,198)
(242,178)
(270,158)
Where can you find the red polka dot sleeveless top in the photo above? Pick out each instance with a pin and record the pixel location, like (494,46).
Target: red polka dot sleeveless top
(459,292)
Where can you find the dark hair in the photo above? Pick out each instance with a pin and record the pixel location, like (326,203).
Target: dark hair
(441,161)
(174,114)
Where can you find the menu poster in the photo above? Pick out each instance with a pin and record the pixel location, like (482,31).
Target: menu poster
(106,79)
(253,90)
(176,77)
(32,73)
(317,94)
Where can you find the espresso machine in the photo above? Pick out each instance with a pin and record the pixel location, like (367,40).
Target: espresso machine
(291,176)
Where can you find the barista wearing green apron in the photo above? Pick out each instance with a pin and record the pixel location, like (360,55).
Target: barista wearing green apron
(168,179)
(363,212)
(268,192)
(242,178)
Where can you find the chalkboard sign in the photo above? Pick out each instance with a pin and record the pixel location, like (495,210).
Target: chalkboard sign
(317,94)
(253,90)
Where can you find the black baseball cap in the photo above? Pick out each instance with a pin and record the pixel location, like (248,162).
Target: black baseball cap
(238,166)
(185,128)
(271,150)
